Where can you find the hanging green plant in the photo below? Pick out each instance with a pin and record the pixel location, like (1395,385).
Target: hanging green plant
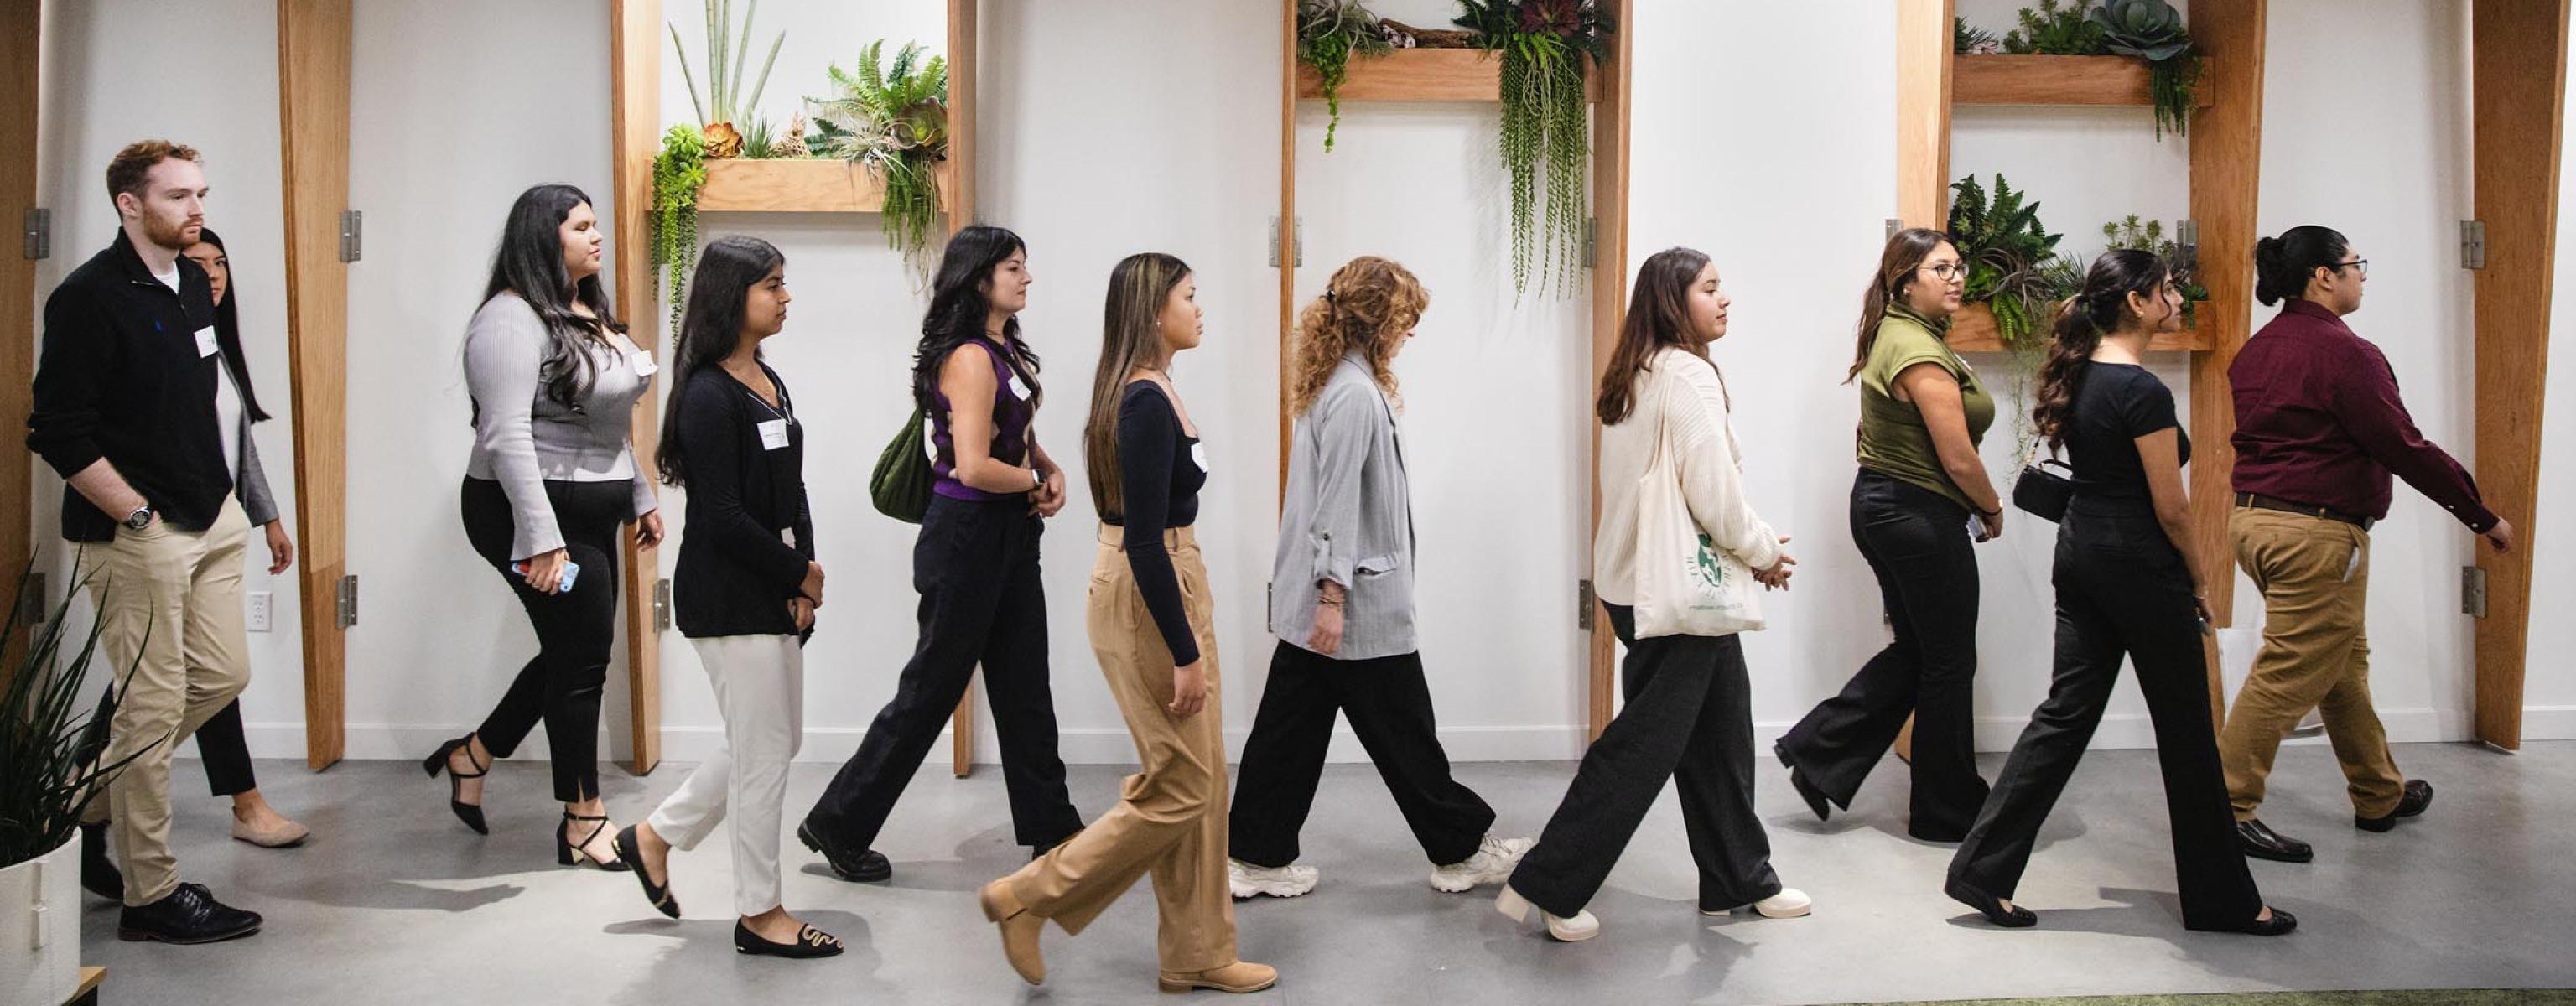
(2007,252)
(892,121)
(2152,30)
(725,62)
(1543,44)
(679,171)
(1329,34)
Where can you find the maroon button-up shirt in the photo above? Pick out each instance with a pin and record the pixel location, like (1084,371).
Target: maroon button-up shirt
(2318,421)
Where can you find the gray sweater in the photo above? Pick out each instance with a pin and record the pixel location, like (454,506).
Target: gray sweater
(523,439)
(1347,517)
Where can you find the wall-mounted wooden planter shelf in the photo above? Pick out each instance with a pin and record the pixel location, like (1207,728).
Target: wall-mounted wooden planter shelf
(1425,75)
(2058,80)
(1972,330)
(795,186)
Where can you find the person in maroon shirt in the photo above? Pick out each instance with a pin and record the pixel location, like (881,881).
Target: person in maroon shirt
(2319,431)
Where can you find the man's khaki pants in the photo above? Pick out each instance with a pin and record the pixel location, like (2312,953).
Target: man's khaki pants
(1171,816)
(2315,577)
(170,611)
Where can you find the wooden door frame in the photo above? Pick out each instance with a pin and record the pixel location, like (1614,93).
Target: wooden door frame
(314,43)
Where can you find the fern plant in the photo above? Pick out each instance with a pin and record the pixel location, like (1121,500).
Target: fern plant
(2005,248)
(1329,34)
(892,120)
(679,171)
(725,58)
(1543,44)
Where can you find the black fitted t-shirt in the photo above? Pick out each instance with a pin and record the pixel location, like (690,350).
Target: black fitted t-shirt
(1159,480)
(2115,404)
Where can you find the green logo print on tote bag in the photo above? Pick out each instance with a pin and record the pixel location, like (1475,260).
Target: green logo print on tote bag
(1711,574)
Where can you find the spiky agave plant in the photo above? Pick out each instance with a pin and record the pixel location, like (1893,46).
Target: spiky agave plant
(725,57)
(1543,44)
(891,119)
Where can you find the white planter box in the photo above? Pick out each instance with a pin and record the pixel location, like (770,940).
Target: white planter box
(40,913)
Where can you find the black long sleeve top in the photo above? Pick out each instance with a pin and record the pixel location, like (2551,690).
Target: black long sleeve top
(1159,478)
(750,531)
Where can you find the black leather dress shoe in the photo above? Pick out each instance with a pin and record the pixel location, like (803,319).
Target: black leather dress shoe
(2261,842)
(99,874)
(2281,922)
(188,915)
(2419,795)
(866,866)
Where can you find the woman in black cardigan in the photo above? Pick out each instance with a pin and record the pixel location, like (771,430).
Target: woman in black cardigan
(745,589)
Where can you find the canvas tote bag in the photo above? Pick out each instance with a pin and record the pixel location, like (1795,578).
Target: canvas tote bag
(1686,586)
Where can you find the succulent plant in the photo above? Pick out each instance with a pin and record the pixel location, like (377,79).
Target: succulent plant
(2148,29)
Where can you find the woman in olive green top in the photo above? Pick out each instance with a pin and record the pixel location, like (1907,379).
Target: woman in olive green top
(1921,496)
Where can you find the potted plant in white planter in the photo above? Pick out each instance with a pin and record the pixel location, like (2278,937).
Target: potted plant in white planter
(45,784)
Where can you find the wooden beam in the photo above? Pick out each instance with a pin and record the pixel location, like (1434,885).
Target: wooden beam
(1610,136)
(819,185)
(2519,56)
(635,136)
(961,212)
(21,53)
(1449,75)
(2055,80)
(1972,330)
(313,52)
(1923,66)
(2226,150)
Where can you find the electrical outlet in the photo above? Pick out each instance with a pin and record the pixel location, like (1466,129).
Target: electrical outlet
(259,601)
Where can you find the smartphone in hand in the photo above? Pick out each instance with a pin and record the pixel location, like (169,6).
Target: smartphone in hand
(571,569)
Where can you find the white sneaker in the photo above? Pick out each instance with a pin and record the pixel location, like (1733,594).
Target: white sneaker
(1249,881)
(1492,864)
(1581,927)
(1790,903)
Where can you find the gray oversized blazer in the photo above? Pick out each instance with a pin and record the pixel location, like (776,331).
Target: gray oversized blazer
(1347,517)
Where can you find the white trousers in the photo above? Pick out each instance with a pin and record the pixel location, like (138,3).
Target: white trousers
(760,690)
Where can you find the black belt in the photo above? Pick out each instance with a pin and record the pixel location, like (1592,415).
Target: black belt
(2262,502)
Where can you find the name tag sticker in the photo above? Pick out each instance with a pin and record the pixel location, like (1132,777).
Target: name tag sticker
(206,341)
(788,535)
(1019,388)
(773,434)
(644,365)
(1198,455)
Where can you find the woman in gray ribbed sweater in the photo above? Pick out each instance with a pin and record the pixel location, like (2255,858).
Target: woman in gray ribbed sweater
(554,382)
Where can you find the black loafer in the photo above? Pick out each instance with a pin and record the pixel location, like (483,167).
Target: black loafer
(2261,842)
(99,874)
(809,942)
(188,915)
(2280,922)
(1990,906)
(2419,795)
(867,866)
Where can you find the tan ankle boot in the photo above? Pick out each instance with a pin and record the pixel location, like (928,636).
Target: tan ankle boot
(1019,929)
(1240,976)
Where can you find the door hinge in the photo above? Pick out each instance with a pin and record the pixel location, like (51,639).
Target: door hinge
(1591,240)
(1296,242)
(662,605)
(1586,602)
(2473,592)
(32,609)
(1893,225)
(2473,244)
(347,611)
(36,238)
(2186,254)
(351,226)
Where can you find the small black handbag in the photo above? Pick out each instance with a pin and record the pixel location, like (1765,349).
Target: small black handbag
(2044,493)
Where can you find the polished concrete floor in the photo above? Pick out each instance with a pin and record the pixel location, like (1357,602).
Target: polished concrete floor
(395,902)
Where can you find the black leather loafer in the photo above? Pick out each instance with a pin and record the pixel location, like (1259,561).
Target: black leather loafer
(2419,795)
(2261,842)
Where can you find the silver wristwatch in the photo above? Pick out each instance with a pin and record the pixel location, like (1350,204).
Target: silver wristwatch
(141,518)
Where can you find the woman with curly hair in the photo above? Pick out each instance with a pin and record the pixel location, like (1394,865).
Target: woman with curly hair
(1343,608)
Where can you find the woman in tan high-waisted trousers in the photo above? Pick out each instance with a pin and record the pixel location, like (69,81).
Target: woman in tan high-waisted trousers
(1151,624)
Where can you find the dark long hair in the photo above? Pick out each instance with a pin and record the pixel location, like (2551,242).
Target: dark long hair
(1131,336)
(530,263)
(228,331)
(1658,316)
(1897,266)
(2283,264)
(2081,323)
(961,300)
(709,330)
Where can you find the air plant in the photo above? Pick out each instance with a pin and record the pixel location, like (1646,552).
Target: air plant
(894,123)
(1329,34)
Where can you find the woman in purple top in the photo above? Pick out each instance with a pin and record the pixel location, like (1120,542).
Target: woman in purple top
(975,564)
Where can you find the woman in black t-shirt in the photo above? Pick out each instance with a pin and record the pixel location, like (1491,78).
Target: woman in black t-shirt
(2127,586)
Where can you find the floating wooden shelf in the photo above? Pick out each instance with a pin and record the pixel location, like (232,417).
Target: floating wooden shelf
(1424,75)
(2058,80)
(794,186)
(1972,330)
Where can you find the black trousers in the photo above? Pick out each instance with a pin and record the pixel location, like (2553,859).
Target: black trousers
(2121,591)
(1917,543)
(1688,718)
(976,566)
(220,744)
(575,629)
(1389,705)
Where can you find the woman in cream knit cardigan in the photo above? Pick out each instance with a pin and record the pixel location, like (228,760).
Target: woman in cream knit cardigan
(1689,711)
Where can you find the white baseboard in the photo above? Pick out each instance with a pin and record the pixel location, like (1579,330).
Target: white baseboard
(831,745)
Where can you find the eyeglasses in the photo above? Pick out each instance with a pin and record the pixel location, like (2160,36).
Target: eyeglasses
(1946,271)
(2361,264)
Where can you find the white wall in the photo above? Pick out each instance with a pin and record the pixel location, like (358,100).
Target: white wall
(215,88)
(1092,158)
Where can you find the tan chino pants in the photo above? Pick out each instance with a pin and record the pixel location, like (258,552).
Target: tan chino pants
(2315,577)
(1170,820)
